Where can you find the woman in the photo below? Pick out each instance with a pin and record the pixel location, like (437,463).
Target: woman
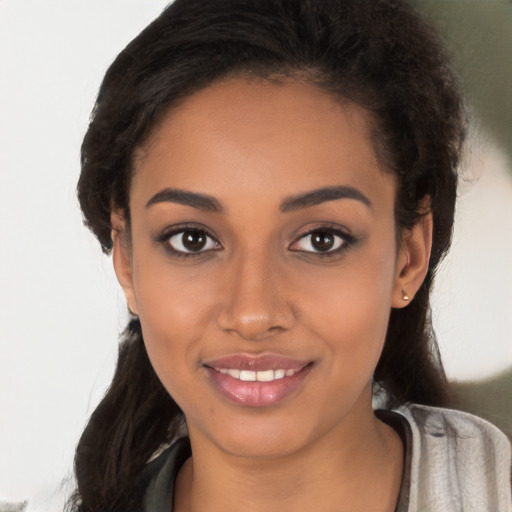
(276,180)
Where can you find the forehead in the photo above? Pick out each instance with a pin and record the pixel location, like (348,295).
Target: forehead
(249,137)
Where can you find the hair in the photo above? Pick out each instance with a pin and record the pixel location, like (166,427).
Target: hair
(378,54)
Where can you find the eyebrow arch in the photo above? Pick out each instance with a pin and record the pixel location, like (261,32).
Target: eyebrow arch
(199,201)
(323,195)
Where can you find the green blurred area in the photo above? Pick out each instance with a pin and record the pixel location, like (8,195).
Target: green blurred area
(490,399)
(479,36)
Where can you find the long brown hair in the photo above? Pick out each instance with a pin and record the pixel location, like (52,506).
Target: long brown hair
(376,53)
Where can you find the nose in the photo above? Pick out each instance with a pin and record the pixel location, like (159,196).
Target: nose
(254,299)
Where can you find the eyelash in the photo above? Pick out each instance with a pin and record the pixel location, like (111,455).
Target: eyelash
(167,235)
(347,240)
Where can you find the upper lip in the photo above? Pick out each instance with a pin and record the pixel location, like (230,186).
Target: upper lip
(256,363)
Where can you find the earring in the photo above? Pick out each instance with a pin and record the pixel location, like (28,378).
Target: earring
(405,297)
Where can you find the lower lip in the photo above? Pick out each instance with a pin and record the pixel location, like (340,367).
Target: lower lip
(257,394)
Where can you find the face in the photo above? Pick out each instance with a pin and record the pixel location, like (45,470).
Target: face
(263,263)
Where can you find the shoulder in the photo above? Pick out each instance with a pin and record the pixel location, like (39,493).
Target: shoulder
(156,482)
(438,420)
(458,461)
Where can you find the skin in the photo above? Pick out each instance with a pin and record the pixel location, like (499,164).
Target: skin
(260,287)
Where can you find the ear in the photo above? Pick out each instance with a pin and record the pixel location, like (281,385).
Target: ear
(413,259)
(122,259)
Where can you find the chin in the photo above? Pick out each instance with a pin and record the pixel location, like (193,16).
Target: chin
(262,434)
(263,444)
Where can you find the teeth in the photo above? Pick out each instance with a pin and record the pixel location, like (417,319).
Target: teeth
(247,375)
(257,376)
(279,374)
(266,376)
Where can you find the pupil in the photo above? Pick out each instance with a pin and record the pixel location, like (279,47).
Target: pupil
(193,240)
(322,241)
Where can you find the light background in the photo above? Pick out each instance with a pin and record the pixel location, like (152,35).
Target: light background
(60,308)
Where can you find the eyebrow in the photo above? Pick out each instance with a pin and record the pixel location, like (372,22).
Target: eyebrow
(199,201)
(322,195)
(293,203)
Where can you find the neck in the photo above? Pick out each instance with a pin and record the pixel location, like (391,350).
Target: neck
(355,466)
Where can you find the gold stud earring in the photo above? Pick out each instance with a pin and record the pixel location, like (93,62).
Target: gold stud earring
(405,297)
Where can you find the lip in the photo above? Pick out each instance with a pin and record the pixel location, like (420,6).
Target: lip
(256,363)
(256,393)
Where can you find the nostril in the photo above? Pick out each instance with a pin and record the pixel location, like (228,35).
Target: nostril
(255,327)
(254,312)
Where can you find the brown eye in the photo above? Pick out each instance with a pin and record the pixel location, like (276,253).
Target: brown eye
(192,240)
(321,241)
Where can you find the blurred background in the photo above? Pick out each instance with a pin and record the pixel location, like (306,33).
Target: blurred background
(61,310)
(473,303)
(473,300)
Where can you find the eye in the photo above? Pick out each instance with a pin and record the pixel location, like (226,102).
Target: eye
(323,240)
(189,241)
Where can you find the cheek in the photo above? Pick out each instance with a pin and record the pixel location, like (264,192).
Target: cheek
(349,306)
(170,298)
(174,311)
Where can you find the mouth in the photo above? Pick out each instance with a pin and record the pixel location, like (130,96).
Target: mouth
(257,381)
(258,376)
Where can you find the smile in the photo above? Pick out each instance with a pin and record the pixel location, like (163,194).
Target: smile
(256,381)
(257,376)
